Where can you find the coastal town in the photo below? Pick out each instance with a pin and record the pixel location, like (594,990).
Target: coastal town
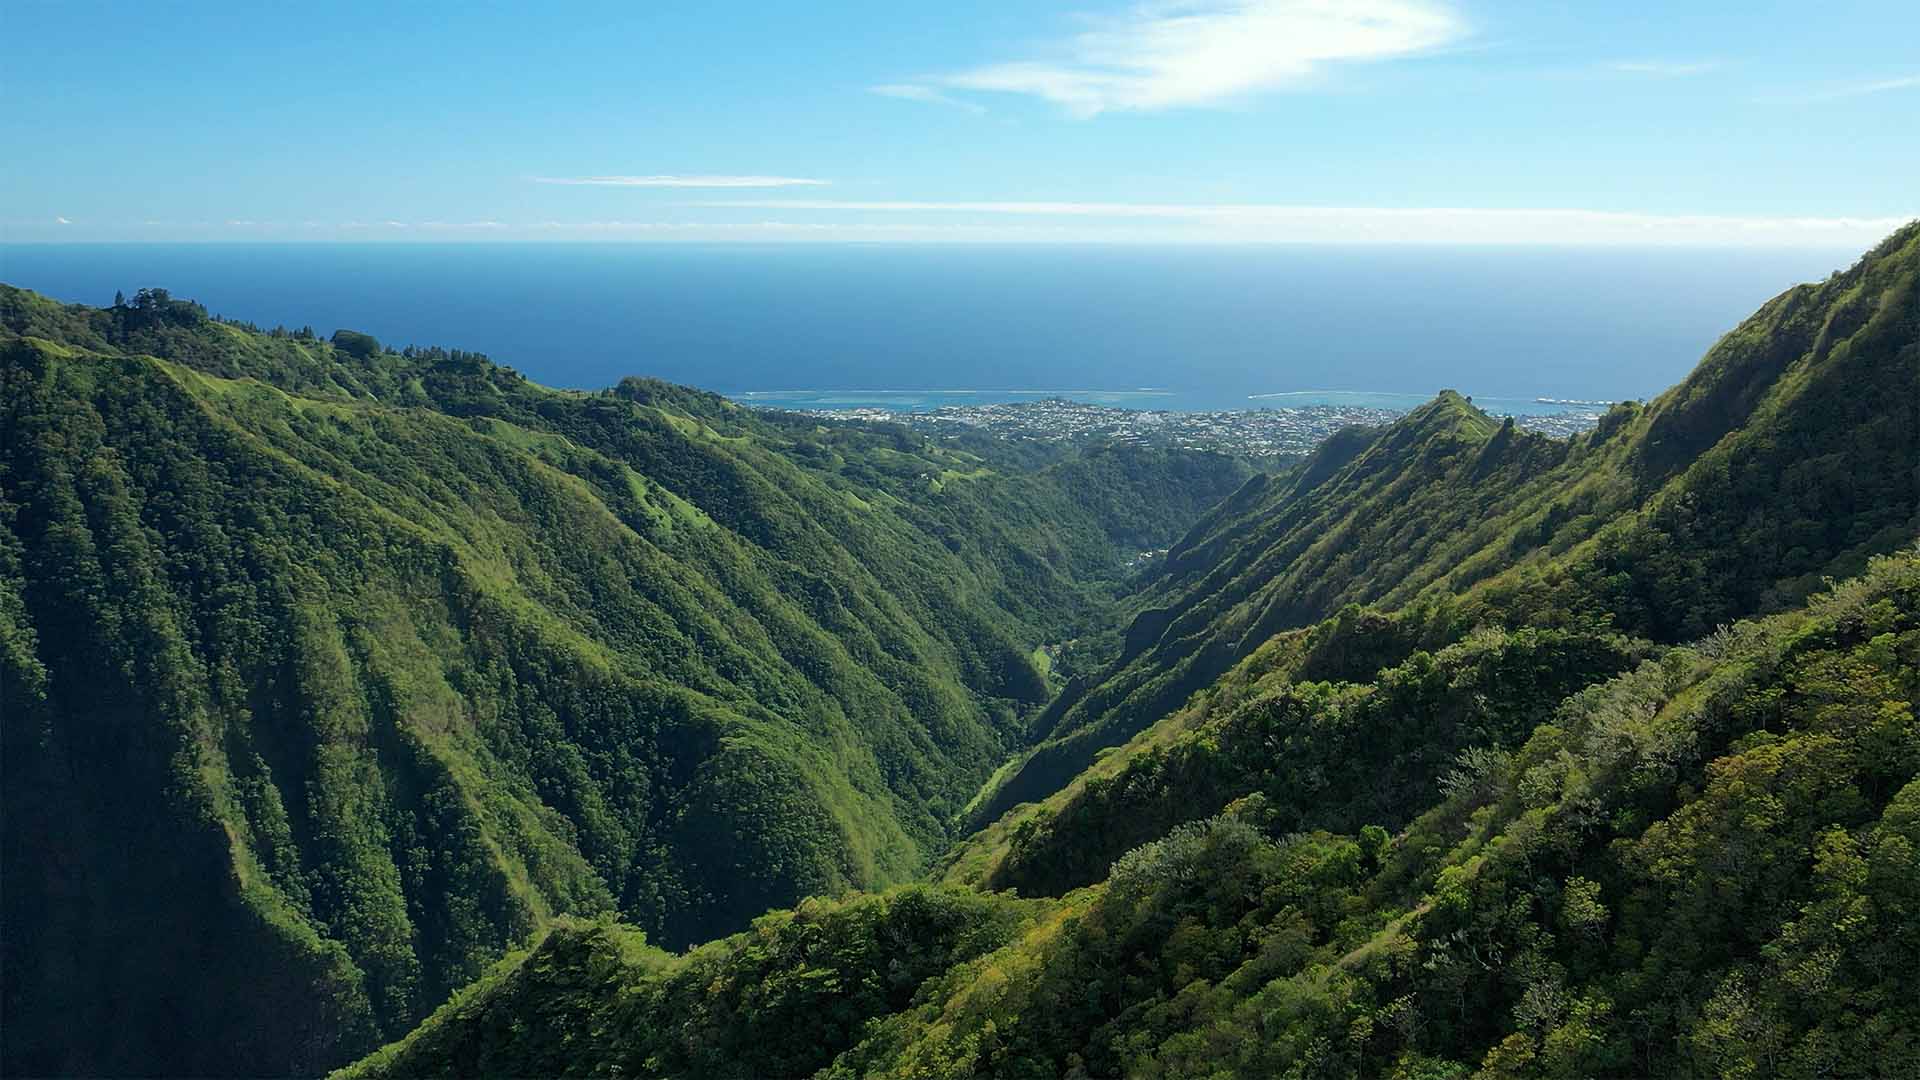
(1251,433)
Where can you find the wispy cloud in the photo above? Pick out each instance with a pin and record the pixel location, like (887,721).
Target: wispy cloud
(1164,54)
(927,94)
(684,181)
(850,221)
(61,221)
(1664,69)
(1851,90)
(817,228)
(1273,223)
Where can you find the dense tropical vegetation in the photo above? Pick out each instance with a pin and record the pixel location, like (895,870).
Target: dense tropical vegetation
(1708,865)
(1452,751)
(331,672)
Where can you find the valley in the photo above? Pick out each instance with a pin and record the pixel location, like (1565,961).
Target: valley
(384,706)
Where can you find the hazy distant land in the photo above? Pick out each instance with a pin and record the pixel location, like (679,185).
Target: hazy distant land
(1267,432)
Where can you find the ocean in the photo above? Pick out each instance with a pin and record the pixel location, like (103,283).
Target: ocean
(904,326)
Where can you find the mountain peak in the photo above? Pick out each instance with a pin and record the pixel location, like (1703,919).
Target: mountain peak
(1451,416)
(1451,408)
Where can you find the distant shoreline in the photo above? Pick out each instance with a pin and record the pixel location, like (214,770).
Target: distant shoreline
(1145,400)
(1254,434)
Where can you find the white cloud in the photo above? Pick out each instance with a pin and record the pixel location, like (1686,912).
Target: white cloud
(1176,53)
(1272,223)
(818,229)
(848,221)
(1838,93)
(927,94)
(61,221)
(684,181)
(1664,69)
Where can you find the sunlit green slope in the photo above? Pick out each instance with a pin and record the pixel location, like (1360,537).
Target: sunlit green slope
(1705,866)
(1591,789)
(330,673)
(1604,778)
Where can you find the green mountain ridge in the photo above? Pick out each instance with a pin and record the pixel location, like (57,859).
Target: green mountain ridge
(1708,865)
(1453,751)
(1785,457)
(1509,757)
(329,675)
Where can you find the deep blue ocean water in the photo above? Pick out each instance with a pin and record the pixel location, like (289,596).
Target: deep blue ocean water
(841,325)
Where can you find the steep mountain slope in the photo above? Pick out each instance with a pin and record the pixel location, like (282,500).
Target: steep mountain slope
(1334,755)
(1708,865)
(779,1000)
(1498,820)
(1705,867)
(330,673)
(1500,817)
(1788,456)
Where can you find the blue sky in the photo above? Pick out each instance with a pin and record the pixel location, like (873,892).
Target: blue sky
(1189,120)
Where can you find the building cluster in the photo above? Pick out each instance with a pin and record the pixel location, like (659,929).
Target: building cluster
(1252,433)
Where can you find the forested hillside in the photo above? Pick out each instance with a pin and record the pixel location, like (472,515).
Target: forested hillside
(330,673)
(1455,752)
(1708,866)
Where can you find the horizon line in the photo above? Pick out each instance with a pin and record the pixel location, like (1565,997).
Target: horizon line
(1035,222)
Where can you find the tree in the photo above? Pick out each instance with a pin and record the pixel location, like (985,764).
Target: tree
(356,344)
